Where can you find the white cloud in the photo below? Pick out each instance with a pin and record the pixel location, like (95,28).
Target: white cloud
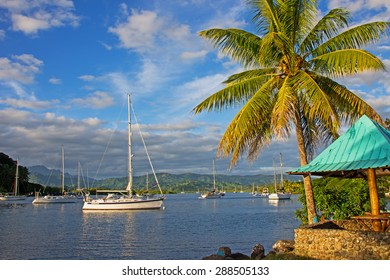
(138,31)
(87,77)
(29,104)
(147,31)
(230,18)
(92,121)
(27,24)
(19,68)
(193,55)
(31,17)
(364,10)
(55,81)
(97,100)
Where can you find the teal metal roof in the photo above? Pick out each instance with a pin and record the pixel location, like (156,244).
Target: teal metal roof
(364,145)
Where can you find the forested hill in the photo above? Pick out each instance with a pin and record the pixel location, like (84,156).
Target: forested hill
(188,182)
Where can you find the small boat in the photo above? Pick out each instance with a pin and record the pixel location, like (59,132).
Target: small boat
(210,195)
(214,193)
(52,199)
(279,194)
(264,193)
(124,199)
(15,196)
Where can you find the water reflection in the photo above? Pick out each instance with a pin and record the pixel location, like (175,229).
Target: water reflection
(189,228)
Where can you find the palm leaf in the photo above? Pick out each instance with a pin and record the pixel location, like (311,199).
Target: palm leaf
(251,121)
(274,47)
(354,38)
(349,105)
(234,93)
(240,45)
(265,15)
(326,28)
(284,110)
(249,74)
(315,102)
(340,63)
(296,17)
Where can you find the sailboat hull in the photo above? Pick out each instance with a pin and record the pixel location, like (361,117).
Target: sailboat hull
(12,197)
(124,204)
(279,196)
(52,199)
(210,195)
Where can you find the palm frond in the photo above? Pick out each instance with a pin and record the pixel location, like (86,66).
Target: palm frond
(284,110)
(354,38)
(274,46)
(234,93)
(252,121)
(326,28)
(265,15)
(296,17)
(315,102)
(341,63)
(240,45)
(249,74)
(350,106)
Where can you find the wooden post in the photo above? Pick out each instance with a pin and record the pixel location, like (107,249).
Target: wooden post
(374,197)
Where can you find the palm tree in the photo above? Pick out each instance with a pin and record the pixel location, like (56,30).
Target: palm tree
(289,84)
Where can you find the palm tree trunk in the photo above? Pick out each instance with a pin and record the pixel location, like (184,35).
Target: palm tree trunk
(310,203)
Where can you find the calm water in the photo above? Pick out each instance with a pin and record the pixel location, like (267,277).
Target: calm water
(187,229)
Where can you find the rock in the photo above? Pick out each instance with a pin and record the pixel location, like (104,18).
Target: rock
(213,257)
(258,252)
(224,252)
(271,253)
(239,256)
(283,246)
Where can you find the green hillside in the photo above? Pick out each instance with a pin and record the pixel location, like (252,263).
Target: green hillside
(189,182)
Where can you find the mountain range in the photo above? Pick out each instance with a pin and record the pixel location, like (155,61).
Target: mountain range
(188,182)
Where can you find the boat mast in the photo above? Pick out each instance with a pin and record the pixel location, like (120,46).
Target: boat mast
(281,172)
(273,164)
(130,167)
(214,174)
(16,178)
(63,171)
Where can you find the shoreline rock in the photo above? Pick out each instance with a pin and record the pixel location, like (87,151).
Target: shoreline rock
(258,252)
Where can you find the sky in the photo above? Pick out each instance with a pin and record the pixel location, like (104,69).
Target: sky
(66,68)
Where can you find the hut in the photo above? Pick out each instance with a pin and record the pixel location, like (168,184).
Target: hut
(363,151)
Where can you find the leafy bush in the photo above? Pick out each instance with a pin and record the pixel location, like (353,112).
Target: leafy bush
(338,199)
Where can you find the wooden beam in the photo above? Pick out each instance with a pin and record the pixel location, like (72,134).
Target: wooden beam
(374,197)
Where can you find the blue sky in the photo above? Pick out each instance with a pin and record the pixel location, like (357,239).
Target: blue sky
(66,66)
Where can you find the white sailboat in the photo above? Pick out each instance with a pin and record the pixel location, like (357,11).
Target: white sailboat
(52,199)
(263,194)
(214,193)
(16,195)
(279,195)
(124,199)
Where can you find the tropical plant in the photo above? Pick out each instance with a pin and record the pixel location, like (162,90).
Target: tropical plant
(292,63)
(338,199)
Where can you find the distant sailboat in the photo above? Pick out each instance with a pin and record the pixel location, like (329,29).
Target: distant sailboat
(263,194)
(16,195)
(124,199)
(279,195)
(214,193)
(52,199)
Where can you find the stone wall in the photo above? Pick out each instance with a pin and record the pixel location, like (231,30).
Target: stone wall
(341,240)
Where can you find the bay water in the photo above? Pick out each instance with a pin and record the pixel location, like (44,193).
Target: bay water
(188,229)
